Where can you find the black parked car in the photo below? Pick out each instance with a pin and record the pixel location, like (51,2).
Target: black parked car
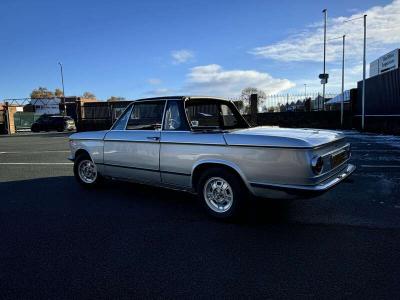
(53,122)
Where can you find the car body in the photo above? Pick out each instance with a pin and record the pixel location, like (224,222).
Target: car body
(176,141)
(53,122)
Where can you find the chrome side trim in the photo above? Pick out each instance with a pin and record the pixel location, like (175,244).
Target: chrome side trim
(143,169)
(129,141)
(270,146)
(191,143)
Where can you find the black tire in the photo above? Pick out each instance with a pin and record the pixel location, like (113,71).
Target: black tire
(238,192)
(35,128)
(85,158)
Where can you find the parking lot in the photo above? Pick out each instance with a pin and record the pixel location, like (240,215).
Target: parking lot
(122,240)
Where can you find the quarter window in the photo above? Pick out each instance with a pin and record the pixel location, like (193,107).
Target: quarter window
(120,124)
(146,116)
(174,116)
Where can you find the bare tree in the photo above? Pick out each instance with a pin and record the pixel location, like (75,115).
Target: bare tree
(245,97)
(89,95)
(41,92)
(58,93)
(114,98)
(252,90)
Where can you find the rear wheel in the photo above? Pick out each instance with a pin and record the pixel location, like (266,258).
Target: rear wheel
(35,128)
(85,171)
(222,192)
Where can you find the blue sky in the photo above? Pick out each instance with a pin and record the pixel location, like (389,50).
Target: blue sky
(145,48)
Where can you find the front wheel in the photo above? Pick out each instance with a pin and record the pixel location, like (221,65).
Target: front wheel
(223,193)
(85,171)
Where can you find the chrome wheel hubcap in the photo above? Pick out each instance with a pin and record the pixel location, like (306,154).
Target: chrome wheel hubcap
(218,194)
(87,171)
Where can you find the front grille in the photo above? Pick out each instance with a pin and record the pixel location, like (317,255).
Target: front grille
(339,158)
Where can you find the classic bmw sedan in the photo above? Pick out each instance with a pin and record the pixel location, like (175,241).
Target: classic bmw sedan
(204,145)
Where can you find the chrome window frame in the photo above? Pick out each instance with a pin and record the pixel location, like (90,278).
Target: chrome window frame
(184,117)
(129,107)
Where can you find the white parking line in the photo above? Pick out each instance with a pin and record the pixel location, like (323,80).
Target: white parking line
(34,152)
(35,163)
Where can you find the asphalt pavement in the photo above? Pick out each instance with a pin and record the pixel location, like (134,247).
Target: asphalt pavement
(122,240)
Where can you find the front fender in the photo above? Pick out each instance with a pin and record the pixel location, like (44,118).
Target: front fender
(93,147)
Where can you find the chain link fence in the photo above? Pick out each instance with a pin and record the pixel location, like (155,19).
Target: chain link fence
(285,103)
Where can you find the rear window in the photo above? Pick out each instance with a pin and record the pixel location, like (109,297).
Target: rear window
(213,115)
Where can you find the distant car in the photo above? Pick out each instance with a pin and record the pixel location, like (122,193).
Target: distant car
(53,122)
(204,145)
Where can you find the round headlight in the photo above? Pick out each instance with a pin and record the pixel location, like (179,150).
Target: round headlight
(317,164)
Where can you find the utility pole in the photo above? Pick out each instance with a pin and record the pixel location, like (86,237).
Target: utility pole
(364,63)
(342,104)
(325,11)
(62,82)
(305,91)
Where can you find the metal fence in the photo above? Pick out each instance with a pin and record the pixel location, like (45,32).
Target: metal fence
(285,102)
(99,115)
(24,120)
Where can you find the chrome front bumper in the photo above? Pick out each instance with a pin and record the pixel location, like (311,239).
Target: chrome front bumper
(280,190)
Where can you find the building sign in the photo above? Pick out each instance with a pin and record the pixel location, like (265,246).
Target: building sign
(389,61)
(385,63)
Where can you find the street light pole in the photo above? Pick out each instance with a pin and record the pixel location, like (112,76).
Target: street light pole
(364,63)
(342,104)
(62,82)
(323,85)
(305,91)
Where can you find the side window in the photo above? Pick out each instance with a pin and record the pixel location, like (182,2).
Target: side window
(120,124)
(203,115)
(228,117)
(146,116)
(174,117)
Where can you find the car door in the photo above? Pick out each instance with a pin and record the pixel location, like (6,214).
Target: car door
(134,151)
(182,148)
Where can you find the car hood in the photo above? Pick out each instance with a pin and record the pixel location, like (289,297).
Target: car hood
(270,136)
(89,135)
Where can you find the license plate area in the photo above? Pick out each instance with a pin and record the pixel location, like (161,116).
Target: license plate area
(339,158)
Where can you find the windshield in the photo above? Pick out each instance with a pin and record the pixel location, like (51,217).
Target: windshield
(213,114)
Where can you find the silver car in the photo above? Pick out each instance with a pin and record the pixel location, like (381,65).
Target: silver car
(204,145)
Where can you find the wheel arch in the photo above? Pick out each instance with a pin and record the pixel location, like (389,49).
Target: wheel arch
(201,166)
(82,151)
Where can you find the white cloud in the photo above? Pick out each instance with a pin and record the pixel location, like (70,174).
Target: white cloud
(383,34)
(154,81)
(181,56)
(160,92)
(214,80)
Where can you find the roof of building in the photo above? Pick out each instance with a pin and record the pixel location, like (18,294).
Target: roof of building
(338,98)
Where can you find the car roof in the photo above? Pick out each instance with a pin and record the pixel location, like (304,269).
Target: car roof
(181,98)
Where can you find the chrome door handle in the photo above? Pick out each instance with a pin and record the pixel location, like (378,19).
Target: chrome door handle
(153,138)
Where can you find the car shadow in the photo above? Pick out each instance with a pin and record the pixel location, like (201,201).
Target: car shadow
(112,196)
